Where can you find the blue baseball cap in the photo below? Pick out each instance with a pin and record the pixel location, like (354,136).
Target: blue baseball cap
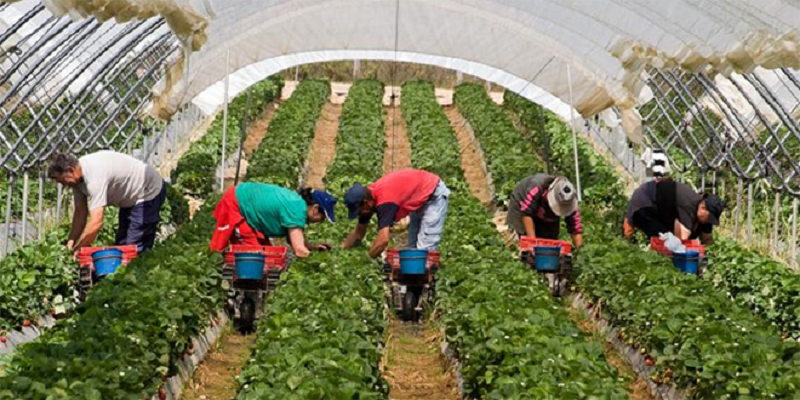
(326,203)
(353,199)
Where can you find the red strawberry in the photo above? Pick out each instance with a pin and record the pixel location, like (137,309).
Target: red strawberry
(649,361)
(3,339)
(162,393)
(26,323)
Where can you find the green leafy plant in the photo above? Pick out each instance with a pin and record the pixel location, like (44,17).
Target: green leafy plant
(509,156)
(195,171)
(291,130)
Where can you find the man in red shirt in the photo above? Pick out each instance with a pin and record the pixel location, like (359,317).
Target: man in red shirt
(410,192)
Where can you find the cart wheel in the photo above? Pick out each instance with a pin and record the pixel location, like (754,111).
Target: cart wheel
(248,313)
(410,301)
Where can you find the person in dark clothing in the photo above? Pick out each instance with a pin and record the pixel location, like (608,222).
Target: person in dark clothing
(539,202)
(663,205)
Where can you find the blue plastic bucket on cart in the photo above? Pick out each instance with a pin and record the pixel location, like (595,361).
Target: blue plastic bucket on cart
(413,261)
(106,262)
(548,258)
(686,261)
(249,265)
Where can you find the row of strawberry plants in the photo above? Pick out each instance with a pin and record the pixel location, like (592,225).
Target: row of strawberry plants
(360,118)
(195,172)
(321,335)
(34,275)
(291,130)
(125,339)
(768,288)
(601,186)
(509,157)
(513,339)
(700,340)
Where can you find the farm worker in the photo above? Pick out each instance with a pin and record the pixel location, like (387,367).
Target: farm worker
(539,202)
(409,192)
(250,213)
(663,205)
(108,178)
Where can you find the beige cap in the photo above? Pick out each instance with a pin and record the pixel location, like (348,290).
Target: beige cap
(562,197)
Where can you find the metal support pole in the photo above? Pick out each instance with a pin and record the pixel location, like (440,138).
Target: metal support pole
(794,231)
(296,73)
(459,77)
(714,183)
(738,219)
(749,229)
(40,208)
(356,69)
(703,181)
(26,185)
(574,133)
(776,224)
(59,202)
(225,119)
(12,180)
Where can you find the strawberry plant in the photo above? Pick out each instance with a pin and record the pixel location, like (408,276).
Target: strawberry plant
(291,130)
(763,285)
(124,340)
(195,172)
(699,339)
(509,156)
(513,339)
(321,334)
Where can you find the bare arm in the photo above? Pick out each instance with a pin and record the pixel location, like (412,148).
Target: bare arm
(298,242)
(91,231)
(78,221)
(681,231)
(356,236)
(530,228)
(577,240)
(381,243)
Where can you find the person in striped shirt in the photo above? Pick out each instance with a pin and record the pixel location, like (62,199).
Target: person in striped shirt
(537,205)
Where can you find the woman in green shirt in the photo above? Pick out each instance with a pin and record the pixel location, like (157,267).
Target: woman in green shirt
(250,213)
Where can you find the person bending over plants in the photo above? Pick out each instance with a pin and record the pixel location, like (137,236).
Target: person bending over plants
(108,178)
(666,206)
(409,192)
(539,202)
(250,213)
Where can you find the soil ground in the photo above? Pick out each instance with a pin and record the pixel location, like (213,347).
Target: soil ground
(323,147)
(256,132)
(471,159)
(398,149)
(414,365)
(215,378)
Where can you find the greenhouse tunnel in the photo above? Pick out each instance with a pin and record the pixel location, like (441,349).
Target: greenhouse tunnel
(713,84)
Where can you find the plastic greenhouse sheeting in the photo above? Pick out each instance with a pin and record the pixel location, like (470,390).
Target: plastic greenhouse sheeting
(607,43)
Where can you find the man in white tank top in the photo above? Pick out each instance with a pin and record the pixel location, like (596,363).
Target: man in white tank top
(108,178)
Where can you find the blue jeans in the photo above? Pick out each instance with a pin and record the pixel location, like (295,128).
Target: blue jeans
(138,225)
(427,223)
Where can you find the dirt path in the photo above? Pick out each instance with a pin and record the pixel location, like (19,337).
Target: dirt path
(256,132)
(414,366)
(398,148)
(323,148)
(215,378)
(471,158)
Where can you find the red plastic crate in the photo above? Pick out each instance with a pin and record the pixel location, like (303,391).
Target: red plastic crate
(276,257)
(85,254)
(657,245)
(393,257)
(528,243)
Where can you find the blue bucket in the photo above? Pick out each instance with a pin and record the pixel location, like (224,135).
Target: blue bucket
(250,265)
(686,261)
(413,261)
(106,262)
(548,258)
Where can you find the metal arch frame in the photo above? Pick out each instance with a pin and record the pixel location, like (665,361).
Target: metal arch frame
(57,119)
(734,132)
